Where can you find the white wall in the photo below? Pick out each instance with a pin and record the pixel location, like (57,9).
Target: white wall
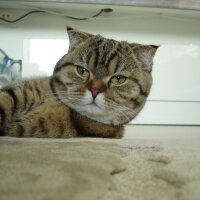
(162,132)
(175,95)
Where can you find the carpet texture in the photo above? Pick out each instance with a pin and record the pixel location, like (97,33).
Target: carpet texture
(99,169)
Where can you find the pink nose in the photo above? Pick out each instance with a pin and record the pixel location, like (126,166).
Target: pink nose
(94,92)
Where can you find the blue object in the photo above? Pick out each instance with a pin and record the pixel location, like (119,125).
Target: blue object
(7,69)
(8,62)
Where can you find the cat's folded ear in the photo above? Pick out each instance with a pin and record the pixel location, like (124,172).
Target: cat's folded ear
(76,37)
(145,55)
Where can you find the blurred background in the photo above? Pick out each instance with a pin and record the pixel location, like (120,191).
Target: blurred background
(36,42)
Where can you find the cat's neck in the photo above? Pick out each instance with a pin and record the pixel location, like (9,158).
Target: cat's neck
(90,128)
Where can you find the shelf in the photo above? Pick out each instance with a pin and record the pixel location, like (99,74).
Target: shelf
(175,4)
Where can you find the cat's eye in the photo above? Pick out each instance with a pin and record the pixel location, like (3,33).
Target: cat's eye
(83,72)
(117,80)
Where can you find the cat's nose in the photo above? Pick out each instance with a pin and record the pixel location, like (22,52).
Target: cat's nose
(95,92)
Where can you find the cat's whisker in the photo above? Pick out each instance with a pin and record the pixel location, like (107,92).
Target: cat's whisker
(114,104)
(117,109)
(124,114)
(123,111)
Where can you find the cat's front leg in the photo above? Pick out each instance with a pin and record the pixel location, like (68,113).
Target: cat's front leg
(49,120)
(7,107)
(14,101)
(19,98)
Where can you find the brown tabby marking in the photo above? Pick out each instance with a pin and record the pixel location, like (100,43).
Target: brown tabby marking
(70,104)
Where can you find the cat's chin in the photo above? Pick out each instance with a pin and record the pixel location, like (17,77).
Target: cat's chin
(98,114)
(93,112)
(93,108)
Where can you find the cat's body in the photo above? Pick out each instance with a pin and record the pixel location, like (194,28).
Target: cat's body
(97,87)
(31,110)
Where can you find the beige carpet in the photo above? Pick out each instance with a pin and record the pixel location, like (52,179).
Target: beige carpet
(99,169)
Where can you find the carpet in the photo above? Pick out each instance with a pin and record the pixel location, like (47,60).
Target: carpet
(99,169)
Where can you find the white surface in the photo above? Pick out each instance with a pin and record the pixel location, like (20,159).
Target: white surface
(162,132)
(169,113)
(176,73)
(41,55)
(176,70)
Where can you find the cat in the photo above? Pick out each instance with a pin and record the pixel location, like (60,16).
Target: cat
(97,87)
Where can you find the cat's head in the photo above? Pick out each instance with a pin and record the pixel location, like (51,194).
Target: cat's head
(103,79)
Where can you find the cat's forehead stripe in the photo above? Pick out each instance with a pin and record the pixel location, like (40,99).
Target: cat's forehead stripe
(97,52)
(90,60)
(111,57)
(102,57)
(113,65)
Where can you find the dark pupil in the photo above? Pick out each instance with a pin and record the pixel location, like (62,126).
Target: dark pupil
(118,78)
(83,70)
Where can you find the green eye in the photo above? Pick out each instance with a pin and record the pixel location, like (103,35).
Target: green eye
(117,80)
(83,72)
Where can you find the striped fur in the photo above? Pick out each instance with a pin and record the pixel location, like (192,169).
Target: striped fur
(63,106)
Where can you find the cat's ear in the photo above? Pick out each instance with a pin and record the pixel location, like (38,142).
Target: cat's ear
(145,55)
(76,37)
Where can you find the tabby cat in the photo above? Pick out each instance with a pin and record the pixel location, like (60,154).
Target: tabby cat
(97,87)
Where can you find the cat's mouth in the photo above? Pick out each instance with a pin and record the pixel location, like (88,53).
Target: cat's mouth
(93,104)
(93,107)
